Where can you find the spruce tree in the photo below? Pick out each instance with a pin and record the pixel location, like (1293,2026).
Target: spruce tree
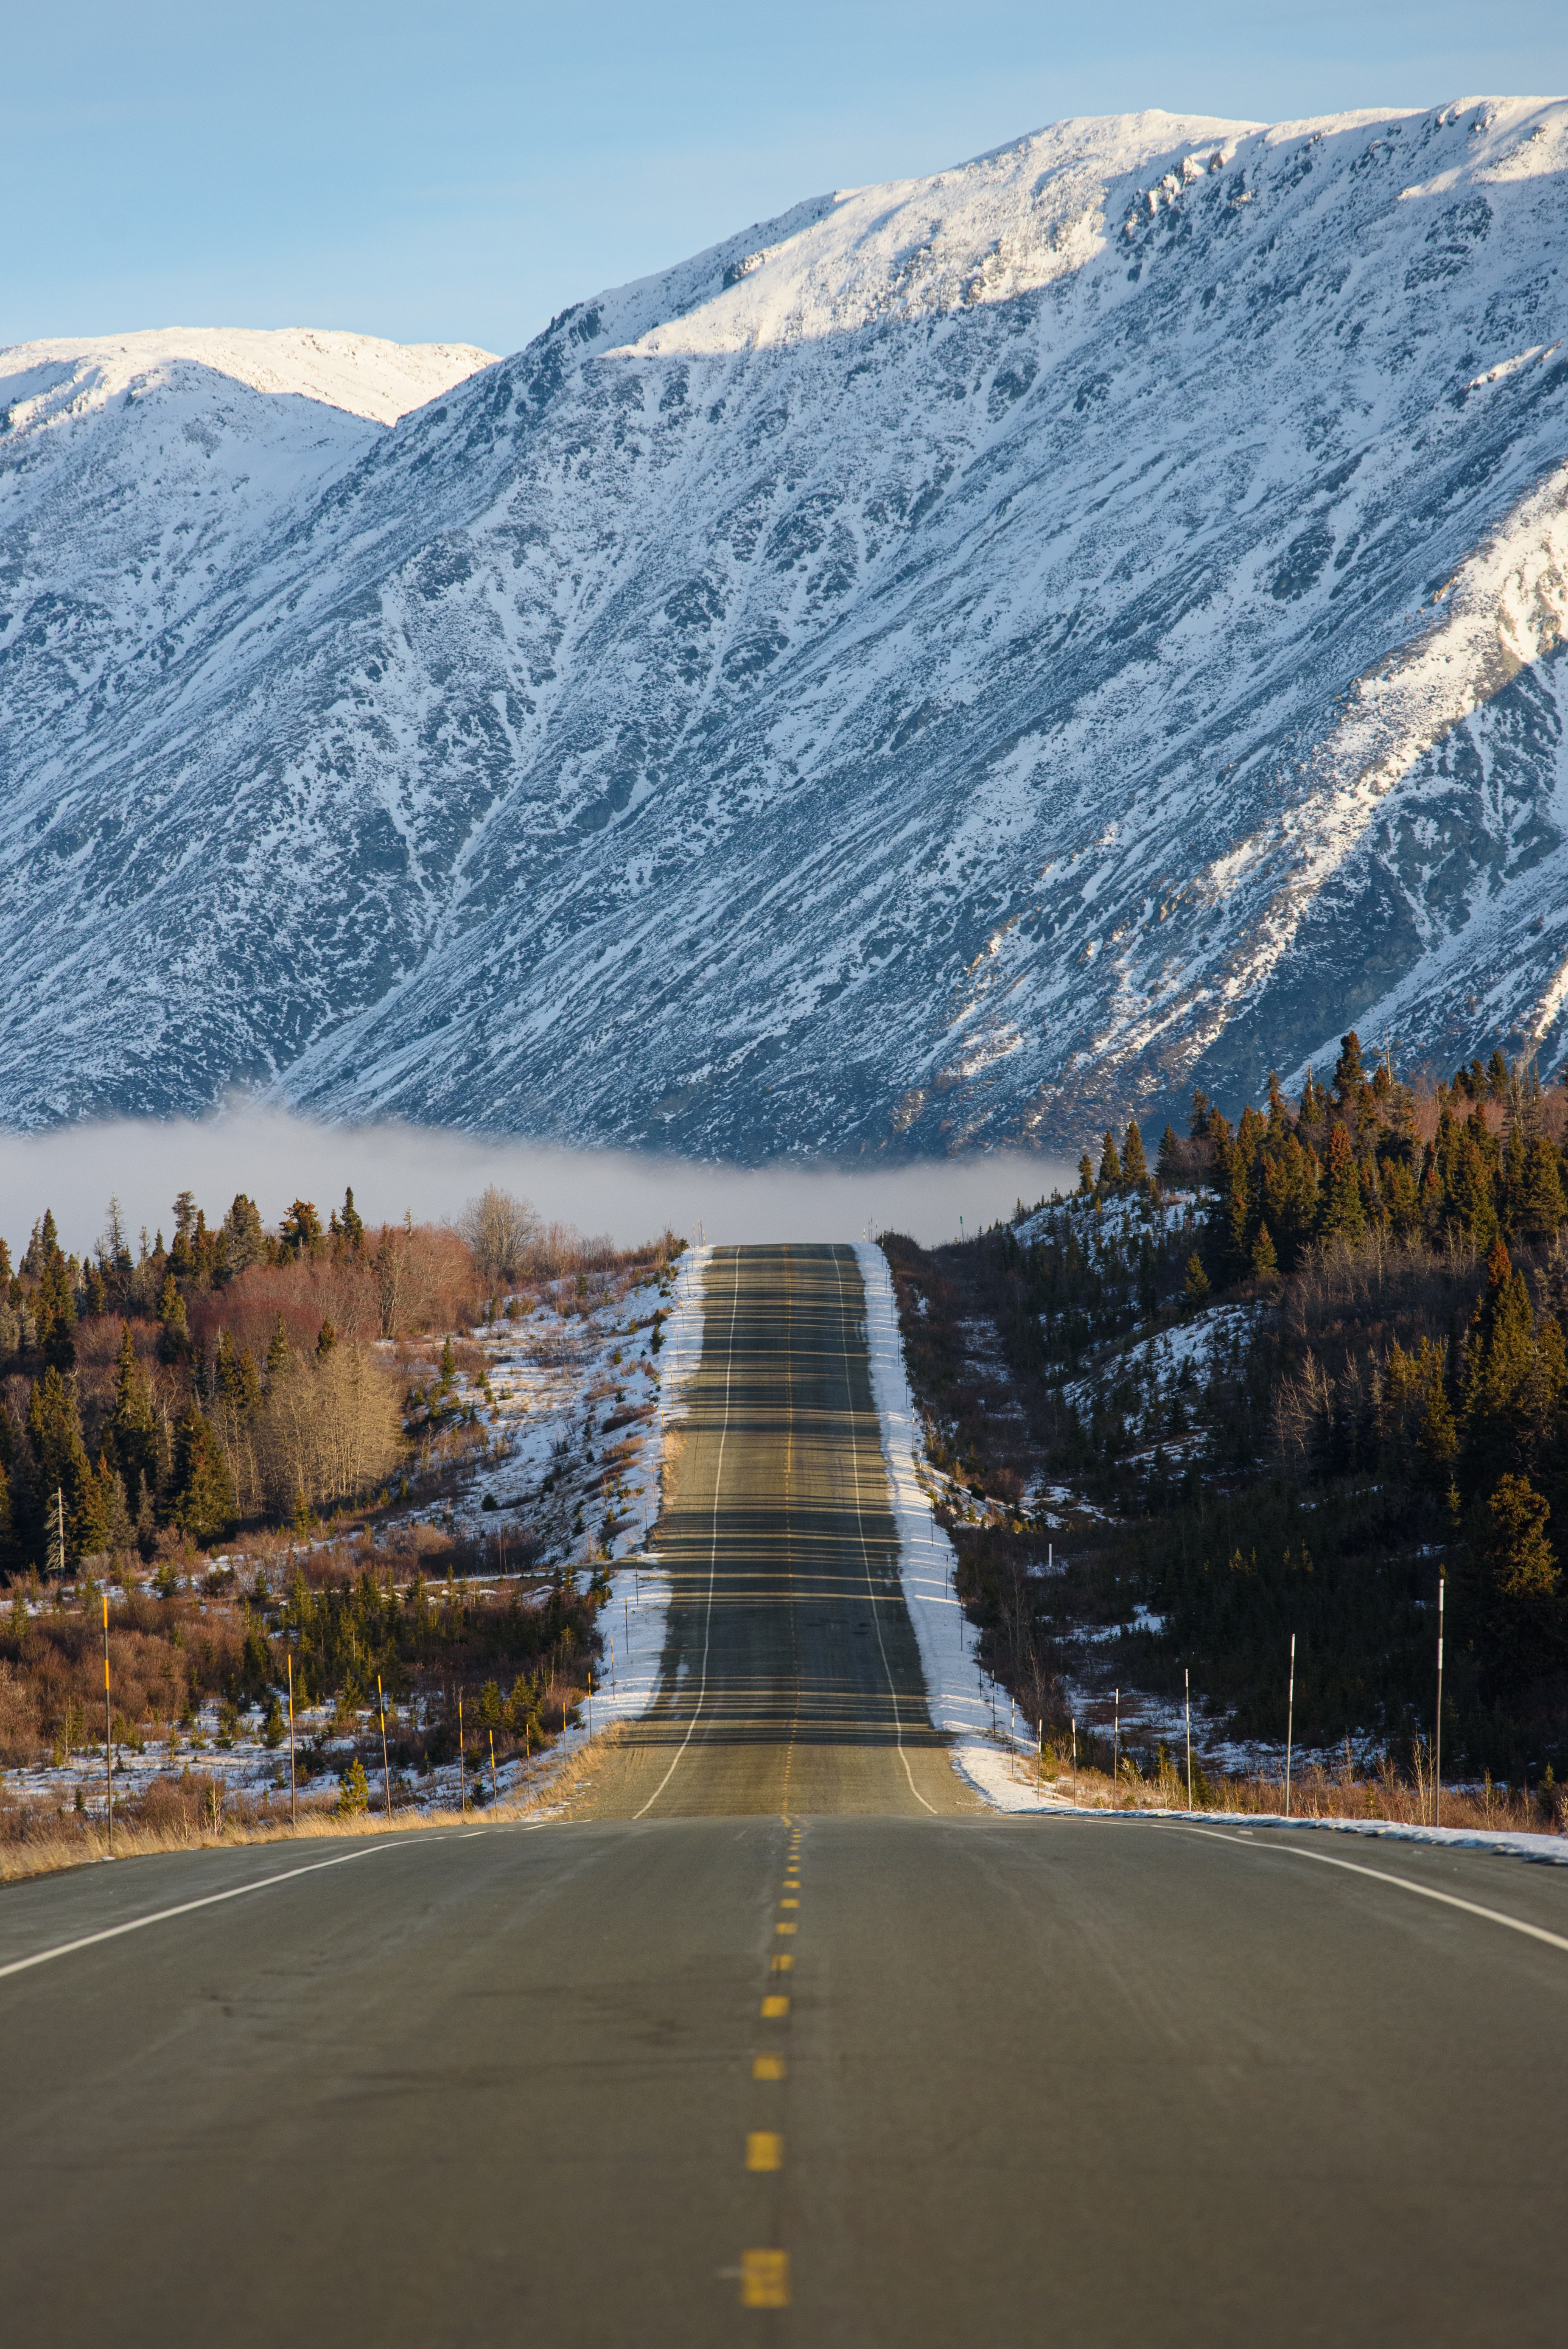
(102,1522)
(1349,1075)
(1499,1367)
(174,1335)
(278,1352)
(1539,1207)
(1167,1166)
(301,1234)
(55,1313)
(55,1434)
(1086,1175)
(1470,1200)
(1341,1211)
(1265,1263)
(352,1225)
(242,1241)
(239,1381)
(1516,1584)
(1109,1163)
(1134,1164)
(133,1430)
(1235,1217)
(201,1500)
(1437,1442)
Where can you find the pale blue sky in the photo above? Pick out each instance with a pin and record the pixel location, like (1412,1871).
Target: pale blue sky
(461,171)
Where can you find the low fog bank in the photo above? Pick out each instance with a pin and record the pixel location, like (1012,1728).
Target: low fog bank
(276,1158)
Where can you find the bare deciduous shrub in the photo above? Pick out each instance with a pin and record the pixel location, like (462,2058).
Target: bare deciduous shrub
(19,1726)
(499,1228)
(329,1430)
(425,1279)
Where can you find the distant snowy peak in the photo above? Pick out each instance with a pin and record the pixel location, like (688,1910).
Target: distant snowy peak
(73,374)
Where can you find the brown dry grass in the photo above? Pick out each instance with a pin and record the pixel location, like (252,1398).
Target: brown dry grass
(71,1842)
(1317,1794)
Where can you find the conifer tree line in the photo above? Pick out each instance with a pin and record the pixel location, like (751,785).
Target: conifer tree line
(1349,1159)
(226,1377)
(1385,1400)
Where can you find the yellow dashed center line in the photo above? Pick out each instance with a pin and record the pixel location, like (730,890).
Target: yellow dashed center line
(765,2279)
(765,2274)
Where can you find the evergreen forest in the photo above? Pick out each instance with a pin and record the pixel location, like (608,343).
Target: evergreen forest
(1286,1380)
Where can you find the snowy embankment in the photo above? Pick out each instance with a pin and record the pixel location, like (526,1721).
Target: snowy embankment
(992,1749)
(634,1622)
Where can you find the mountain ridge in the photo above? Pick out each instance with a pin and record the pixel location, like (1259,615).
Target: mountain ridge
(956,663)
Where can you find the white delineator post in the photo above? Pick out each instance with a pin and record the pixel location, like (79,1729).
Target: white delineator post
(1438,1736)
(107,1739)
(1187,1684)
(1289,1723)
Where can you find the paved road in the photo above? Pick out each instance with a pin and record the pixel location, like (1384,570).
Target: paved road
(793,1679)
(1110,2081)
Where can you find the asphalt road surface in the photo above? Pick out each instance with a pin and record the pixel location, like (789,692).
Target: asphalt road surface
(777,2038)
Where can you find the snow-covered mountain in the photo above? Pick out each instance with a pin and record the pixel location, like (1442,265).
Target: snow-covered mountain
(953,664)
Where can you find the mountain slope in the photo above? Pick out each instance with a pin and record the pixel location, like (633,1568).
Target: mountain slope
(954,663)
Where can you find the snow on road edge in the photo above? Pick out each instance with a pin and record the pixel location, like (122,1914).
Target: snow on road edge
(640,1586)
(960,1695)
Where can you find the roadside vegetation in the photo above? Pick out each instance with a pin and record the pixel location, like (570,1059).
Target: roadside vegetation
(1281,1381)
(249,1442)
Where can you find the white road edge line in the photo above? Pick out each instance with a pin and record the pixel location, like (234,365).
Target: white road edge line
(713,1539)
(860,1522)
(1381,1875)
(210,1900)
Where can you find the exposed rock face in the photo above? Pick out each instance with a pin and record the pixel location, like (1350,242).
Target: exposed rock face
(956,664)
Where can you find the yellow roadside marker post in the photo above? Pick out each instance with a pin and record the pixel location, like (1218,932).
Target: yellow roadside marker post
(294,1788)
(494,1797)
(385,1765)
